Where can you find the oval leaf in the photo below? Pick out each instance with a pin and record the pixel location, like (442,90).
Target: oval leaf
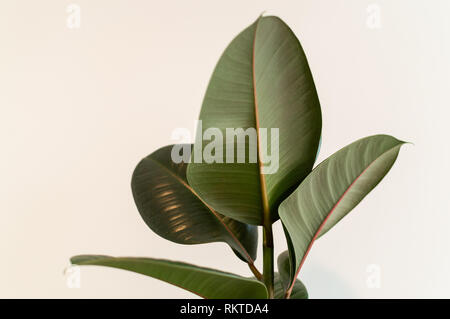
(173,210)
(262,81)
(284,269)
(204,282)
(333,189)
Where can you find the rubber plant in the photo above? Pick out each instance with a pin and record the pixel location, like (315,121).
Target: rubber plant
(262,80)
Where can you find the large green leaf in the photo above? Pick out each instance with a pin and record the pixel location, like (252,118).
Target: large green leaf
(262,80)
(205,282)
(173,210)
(333,189)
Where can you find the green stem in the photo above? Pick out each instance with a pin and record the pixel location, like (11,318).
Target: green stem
(268,269)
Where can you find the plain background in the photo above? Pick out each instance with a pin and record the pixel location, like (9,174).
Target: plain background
(80,107)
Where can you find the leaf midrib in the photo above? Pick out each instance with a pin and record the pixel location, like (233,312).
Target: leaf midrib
(265,203)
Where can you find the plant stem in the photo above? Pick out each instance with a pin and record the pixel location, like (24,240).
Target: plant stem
(255,271)
(268,273)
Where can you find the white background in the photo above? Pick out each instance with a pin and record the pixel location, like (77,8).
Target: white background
(80,107)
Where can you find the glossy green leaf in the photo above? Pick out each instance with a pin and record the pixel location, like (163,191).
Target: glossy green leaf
(204,282)
(173,210)
(262,81)
(333,189)
(298,292)
(285,269)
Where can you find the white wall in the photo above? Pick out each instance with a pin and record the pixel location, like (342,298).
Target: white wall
(80,107)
